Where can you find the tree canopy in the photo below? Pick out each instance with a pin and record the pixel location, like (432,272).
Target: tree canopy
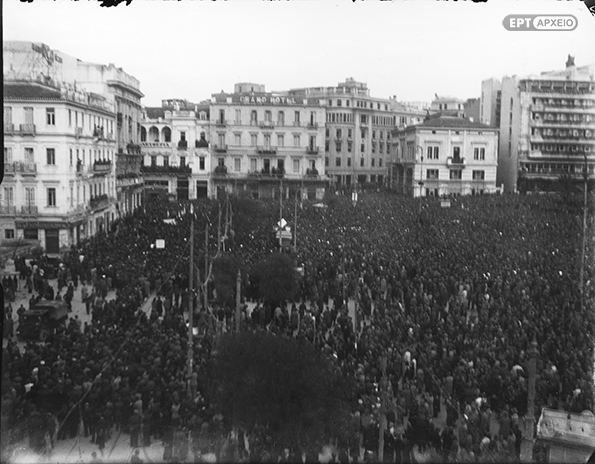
(277,278)
(261,380)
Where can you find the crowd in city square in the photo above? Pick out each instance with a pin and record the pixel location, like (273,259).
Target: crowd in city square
(448,302)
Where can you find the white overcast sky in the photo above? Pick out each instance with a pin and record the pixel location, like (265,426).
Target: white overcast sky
(411,49)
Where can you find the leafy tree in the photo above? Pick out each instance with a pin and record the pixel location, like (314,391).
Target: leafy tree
(225,273)
(262,381)
(277,278)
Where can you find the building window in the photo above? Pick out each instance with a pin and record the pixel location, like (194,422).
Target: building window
(349,146)
(349,133)
(9,234)
(339,102)
(237,164)
(432,174)
(326,146)
(267,141)
(456,152)
(268,116)
(253,140)
(339,133)
(362,148)
(238,139)
(51,156)
(182,161)
(238,117)
(182,136)
(153,161)
(296,165)
(361,162)
(51,196)
(479,175)
(296,118)
(280,140)
(296,141)
(165,161)
(221,162)
(30,234)
(373,147)
(50,116)
(363,119)
(7,155)
(326,161)
(281,118)
(69,118)
(348,162)
(456,175)
(432,153)
(479,153)
(338,146)
(312,143)
(373,161)
(201,163)
(253,118)
(379,162)
(8,199)
(338,162)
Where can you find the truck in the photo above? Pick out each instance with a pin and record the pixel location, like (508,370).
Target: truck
(42,320)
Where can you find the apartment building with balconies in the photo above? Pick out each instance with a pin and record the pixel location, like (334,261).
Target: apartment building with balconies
(174,143)
(59,152)
(547,129)
(267,143)
(358,130)
(445,155)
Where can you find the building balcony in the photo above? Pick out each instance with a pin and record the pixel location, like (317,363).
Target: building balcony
(266,150)
(27,129)
(8,128)
(456,163)
(21,168)
(133,149)
(312,150)
(220,171)
(221,123)
(266,125)
(183,145)
(296,124)
(202,143)
(102,167)
(273,173)
(312,125)
(221,148)
(311,173)
(29,210)
(558,123)
(253,122)
(155,144)
(8,210)
(165,169)
(99,202)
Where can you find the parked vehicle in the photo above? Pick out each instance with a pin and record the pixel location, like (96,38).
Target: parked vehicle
(42,320)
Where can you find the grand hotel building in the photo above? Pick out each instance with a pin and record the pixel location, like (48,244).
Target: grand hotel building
(264,143)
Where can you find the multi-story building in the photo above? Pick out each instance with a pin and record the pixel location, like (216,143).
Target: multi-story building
(174,144)
(124,90)
(445,155)
(448,106)
(358,131)
(547,124)
(86,131)
(59,152)
(491,95)
(264,143)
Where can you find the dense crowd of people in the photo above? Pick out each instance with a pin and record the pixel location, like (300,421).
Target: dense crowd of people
(446,302)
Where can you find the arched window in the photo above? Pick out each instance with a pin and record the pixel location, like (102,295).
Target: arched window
(143,134)
(166,134)
(153,134)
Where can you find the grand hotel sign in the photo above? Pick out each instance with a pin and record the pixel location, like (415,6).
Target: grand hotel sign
(269,100)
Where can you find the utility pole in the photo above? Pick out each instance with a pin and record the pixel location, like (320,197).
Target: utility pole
(528,435)
(191,304)
(238,299)
(582,272)
(206,289)
(295,225)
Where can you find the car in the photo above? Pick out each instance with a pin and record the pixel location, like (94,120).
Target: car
(40,321)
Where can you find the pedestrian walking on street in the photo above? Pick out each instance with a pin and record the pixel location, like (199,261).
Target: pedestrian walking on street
(134,426)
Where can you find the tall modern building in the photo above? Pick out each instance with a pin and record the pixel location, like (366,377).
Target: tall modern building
(266,143)
(547,124)
(60,146)
(174,144)
(357,136)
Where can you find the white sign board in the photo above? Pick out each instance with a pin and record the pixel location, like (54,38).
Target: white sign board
(160,243)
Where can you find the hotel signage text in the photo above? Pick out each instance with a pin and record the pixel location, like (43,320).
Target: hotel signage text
(268,100)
